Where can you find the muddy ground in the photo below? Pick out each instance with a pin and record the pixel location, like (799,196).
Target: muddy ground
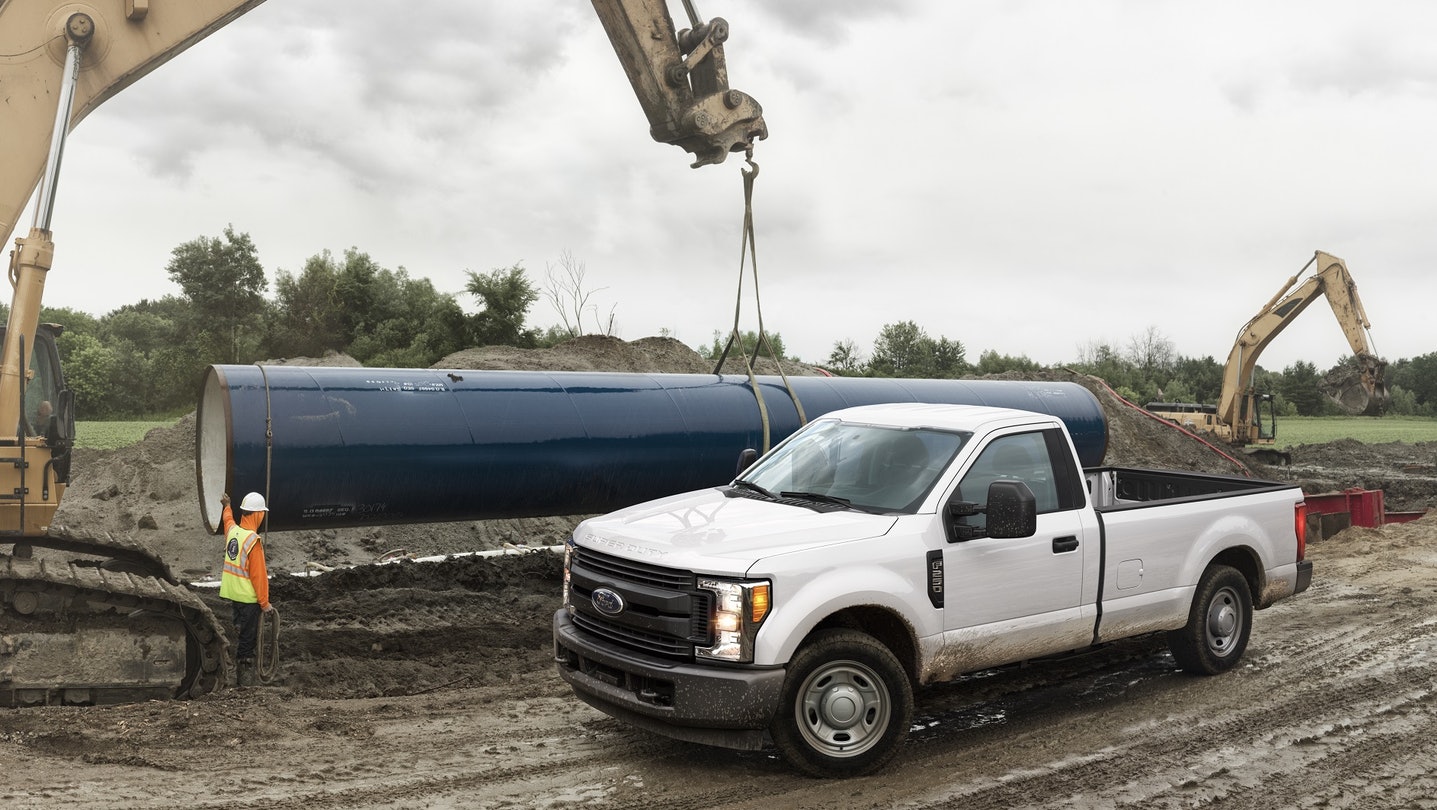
(430,684)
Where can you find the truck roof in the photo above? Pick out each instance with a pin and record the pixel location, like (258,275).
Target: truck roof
(940,415)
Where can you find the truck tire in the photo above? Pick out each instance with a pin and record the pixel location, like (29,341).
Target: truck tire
(846,706)
(1219,623)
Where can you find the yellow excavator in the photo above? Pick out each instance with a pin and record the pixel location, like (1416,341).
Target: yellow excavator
(1246,418)
(101,619)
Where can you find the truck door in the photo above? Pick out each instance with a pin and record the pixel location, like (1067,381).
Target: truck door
(1018,598)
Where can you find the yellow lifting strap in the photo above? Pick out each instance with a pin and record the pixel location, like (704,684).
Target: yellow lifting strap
(748,249)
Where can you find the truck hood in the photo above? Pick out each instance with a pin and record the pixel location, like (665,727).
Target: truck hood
(708,532)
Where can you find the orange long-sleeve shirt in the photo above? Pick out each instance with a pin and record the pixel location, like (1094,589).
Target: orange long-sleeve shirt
(254,563)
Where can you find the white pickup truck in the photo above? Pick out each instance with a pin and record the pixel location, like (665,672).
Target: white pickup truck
(885,547)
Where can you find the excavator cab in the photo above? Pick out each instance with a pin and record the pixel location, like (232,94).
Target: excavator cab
(46,406)
(1264,418)
(35,458)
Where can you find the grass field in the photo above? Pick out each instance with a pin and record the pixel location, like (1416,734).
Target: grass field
(110,435)
(1293,430)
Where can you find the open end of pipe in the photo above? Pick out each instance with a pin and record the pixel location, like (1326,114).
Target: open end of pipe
(212,446)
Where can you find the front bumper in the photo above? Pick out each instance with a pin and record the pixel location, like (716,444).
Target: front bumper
(710,704)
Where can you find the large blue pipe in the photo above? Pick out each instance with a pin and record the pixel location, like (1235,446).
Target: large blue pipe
(361,446)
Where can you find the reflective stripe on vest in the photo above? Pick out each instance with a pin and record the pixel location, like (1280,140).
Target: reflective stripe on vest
(235,584)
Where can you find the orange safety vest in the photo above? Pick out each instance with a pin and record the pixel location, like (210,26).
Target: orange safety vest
(235,584)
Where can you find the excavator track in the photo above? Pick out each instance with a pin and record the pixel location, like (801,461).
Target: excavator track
(97,631)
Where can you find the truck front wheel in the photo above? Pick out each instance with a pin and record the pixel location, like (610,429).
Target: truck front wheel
(1219,623)
(846,708)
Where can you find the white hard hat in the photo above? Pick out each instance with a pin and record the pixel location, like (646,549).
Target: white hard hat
(253,502)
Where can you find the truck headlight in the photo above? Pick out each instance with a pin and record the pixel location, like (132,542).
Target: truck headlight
(568,557)
(738,609)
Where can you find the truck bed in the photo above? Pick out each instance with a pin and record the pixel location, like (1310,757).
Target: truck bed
(1117,488)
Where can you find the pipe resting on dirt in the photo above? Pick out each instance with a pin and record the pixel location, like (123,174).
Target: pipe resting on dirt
(361,446)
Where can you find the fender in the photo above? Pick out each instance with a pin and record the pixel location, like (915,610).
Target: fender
(893,584)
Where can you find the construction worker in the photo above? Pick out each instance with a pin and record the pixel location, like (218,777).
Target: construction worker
(244,580)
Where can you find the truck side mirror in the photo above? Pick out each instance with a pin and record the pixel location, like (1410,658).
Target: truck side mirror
(746,458)
(1012,510)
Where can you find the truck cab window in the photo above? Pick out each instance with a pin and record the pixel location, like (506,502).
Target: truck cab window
(1019,457)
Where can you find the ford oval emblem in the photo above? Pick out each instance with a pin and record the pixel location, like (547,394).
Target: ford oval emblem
(607,602)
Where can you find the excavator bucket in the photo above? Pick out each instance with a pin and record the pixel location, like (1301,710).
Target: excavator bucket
(1358,386)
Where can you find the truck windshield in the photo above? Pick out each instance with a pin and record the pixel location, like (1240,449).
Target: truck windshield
(881,469)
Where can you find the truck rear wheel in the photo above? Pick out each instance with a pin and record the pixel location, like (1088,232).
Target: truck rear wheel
(1219,623)
(846,708)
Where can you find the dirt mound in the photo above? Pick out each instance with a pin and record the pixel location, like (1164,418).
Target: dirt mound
(1136,438)
(651,355)
(408,627)
(1406,473)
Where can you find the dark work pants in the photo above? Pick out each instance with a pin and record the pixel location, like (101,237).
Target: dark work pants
(246,619)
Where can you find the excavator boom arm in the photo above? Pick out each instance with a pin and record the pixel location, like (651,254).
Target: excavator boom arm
(129,40)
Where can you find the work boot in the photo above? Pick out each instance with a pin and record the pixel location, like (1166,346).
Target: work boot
(245,672)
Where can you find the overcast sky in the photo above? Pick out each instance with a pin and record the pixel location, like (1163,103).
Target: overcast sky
(1027,177)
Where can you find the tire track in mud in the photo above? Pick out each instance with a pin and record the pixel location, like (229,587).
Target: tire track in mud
(1335,684)
(1355,705)
(515,766)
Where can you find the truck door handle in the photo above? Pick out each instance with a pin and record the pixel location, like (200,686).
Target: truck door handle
(1062,545)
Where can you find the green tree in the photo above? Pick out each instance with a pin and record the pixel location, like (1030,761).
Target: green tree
(1301,386)
(90,374)
(424,326)
(948,361)
(845,359)
(904,349)
(1103,361)
(901,350)
(1201,376)
(506,295)
(1419,376)
(1402,402)
(155,370)
(224,283)
(745,345)
(308,319)
(991,362)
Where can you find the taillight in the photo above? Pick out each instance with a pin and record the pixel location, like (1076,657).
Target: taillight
(1299,528)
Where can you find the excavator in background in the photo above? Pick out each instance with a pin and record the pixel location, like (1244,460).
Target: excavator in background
(1246,418)
(92,620)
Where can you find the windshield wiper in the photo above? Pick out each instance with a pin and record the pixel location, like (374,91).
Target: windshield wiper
(818,496)
(822,497)
(749,485)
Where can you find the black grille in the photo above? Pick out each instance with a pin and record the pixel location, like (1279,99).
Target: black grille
(664,612)
(630,571)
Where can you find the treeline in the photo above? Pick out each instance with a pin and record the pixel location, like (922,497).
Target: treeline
(145,359)
(1147,369)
